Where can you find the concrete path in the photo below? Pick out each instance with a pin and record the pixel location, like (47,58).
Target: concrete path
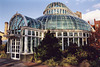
(11,63)
(15,63)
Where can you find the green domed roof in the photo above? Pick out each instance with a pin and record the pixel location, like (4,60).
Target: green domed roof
(66,22)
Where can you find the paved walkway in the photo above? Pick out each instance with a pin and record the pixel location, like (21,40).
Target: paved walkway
(11,63)
(15,63)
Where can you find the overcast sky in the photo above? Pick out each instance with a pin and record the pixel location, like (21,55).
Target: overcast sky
(34,8)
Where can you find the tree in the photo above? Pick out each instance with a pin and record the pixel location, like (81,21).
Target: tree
(0,40)
(94,39)
(5,49)
(49,48)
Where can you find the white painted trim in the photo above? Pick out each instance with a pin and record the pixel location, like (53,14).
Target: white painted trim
(26,40)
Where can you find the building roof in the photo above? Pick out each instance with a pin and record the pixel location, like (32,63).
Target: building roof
(2,32)
(67,22)
(58,9)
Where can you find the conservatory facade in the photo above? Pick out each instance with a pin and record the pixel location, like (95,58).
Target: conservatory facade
(25,33)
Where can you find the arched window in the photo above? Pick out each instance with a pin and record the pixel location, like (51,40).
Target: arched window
(63,11)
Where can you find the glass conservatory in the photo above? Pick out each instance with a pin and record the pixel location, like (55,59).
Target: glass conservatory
(25,33)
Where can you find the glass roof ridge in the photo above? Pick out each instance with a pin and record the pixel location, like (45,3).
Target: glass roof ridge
(57,8)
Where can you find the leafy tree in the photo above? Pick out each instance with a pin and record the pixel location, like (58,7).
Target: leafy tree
(94,39)
(0,40)
(93,53)
(49,48)
(82,53)
(2,47)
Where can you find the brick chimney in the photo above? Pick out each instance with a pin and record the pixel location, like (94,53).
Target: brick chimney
(6,28)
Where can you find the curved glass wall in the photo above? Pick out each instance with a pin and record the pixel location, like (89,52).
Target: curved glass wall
(66,22)
(15,24)
(33,23)
(19,21)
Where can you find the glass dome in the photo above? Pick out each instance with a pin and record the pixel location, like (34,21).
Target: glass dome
(66,22)
(57,8)
(55,4)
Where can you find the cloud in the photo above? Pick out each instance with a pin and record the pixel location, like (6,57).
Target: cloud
(81,1)
(67,2)
(87,10)
(96,5)
(91,15)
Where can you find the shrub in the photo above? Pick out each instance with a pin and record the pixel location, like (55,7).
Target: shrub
(30,58)
(93,53)
(3,55)
(2,47)
(95,63)
(35,56)
(71,59)
(65,53)
(51,62)
(49,48)
(81,55)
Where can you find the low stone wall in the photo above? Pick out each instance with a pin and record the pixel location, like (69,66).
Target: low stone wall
(23,58)
(26,58)
(8,55)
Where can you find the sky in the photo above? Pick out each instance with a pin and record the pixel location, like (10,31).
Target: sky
(34,8)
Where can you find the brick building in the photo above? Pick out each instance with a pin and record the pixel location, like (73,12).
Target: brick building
(5,32)
(96,27)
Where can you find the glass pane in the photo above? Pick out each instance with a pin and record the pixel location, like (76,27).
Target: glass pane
(70,34)
(80,41)
(70,41)
(17,55)
(23,44)
(23,32)
(36,33)
(80,34)
(60,41)
(84,40)
(13,55)
(40,33)
(76,41)
(84,34)
(33,43)
(59,33)
(65,43)
(33,33)
(29,44)
(65,34)
(19,31)
(29,32)
(36,41)
(12,31)
(15,31)
(75,34)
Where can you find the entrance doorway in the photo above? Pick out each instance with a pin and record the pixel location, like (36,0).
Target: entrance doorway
(15,49)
